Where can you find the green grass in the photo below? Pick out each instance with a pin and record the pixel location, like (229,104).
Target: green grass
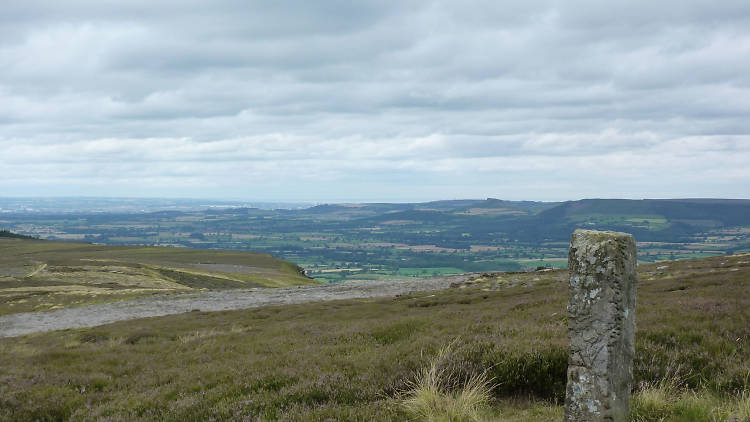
(429,271)
(671,402)
(42,275)
(353,359)
(650,222)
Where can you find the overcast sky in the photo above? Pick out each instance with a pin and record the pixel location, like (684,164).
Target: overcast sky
(375,100)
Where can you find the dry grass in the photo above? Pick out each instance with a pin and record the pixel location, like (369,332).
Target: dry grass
(43,275)
(658,404)
(439,395)
(654,400)
(670,400)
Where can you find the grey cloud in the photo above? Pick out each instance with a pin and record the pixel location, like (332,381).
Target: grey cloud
(377,90)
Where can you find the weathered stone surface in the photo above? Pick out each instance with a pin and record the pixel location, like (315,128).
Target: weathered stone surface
(601,323)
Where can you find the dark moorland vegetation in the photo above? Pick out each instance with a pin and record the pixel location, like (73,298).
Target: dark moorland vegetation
(350,360)
(10,235)
(346,241)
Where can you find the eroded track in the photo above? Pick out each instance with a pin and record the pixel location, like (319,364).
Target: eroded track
(100,314)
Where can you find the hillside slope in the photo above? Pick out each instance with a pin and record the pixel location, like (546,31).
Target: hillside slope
(39,275)
(654,220)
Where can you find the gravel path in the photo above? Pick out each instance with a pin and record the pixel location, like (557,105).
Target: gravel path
(105,313)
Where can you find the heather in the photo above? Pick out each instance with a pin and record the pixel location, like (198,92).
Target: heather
(355,359)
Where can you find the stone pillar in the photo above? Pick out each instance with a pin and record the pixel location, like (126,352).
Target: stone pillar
(601,324)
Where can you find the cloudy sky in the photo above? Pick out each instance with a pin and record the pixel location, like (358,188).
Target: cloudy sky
(375,100)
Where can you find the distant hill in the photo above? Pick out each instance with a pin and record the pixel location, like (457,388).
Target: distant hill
(648,214)
(462,206)
(448,205)
(655,220)
(649,219)
(492,206)
(696,212)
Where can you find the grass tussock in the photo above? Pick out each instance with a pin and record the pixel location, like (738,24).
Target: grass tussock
(656,404)
(439,395)
(671,400)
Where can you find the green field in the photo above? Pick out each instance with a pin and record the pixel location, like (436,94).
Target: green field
(42,275)
(355,359)
(648,222)
(338,242)
(428,271)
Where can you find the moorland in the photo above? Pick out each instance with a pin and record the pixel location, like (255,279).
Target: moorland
(44,275)
(361,359)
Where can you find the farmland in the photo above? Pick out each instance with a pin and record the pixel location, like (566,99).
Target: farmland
(370,241)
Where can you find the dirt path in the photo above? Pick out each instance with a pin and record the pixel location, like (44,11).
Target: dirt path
(99,314)
(36,271)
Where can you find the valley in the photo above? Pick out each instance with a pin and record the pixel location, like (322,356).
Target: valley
(341,242)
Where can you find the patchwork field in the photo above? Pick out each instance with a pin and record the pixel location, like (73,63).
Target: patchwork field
(338,242)
(361,359)
(42,275)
